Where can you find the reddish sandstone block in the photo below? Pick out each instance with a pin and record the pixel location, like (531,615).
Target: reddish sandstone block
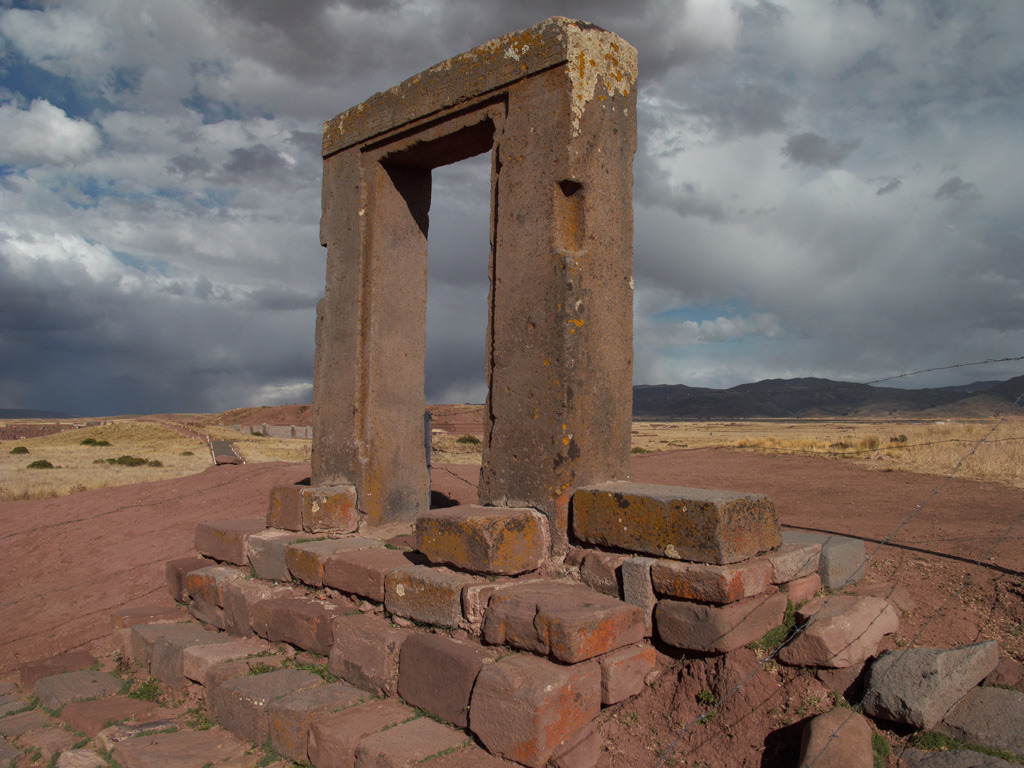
(841,632)
(177,570)
(221,673)
(475,598)
(143,636)
(523,708)
(802,589)
(289,718)
(198,660)
(582,751)
(306,560)
(242,703)
(285,510)
(65,662)
(302,621)
(166,663)
(718,629)
(65,687)
(407,744)
(430,595)
(239,597)
(569,621)
(91,717)
(679,523)
(494,540)
(126,618)
(436,673)
(603,571)
(266,553)
(470,756)
(225,540)
(329,508)
(208,583)
(793,561)
(719,584)
(333,738)
(366,652)
(362,571)
(623,672)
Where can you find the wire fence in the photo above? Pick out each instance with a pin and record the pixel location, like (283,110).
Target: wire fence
(919,511)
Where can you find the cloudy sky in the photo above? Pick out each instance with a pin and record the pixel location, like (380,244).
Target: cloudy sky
(822,188)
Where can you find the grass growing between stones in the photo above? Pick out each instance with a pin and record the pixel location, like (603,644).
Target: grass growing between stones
(774,637)
(932,741)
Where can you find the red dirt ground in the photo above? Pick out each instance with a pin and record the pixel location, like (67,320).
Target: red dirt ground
(68,562)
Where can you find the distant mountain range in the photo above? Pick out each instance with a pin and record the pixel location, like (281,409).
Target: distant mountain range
(20,413)
(809,398)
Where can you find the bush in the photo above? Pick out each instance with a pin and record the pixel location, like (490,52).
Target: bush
(19,449)
(40,464)
(469,440)
(129,461)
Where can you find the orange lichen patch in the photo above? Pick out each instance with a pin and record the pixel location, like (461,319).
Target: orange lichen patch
(208,583)
(494,540)
(719,584)
(678,523)
(429,595)
(330,509)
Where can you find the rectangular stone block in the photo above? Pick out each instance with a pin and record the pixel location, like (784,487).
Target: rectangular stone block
(793,561)
(523,708)
(225,540)
(430,595)
(803,589)
(239,597)
(198,660)
(679,523)
(301,621)
(333,738)
(719,584)
(91,717)
(225,671)
(603,571)
(52,665)
(177,570)
(842,560)
(285,510)
(408,744)
(366,652)
(143,636)
(306,559)
(63,688)
(289,718)
(493,540)
(638,590)
(207,613)
(329,508)
(623,672)
(476,597)
(718,629)
(243,703)
(266,553)
(436,673)
(569,621)
(124,619)
(167,662)
(209,583)
(362,572)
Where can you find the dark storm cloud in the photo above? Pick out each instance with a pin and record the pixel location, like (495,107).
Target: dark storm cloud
(957,189)
(890,186)
(810,149)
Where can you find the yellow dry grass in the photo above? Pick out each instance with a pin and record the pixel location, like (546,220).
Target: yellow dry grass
(930,447)
(445,448)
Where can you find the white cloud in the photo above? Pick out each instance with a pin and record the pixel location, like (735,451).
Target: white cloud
(44,133)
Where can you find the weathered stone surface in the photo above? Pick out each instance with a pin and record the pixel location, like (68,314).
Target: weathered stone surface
(57,690)
(992,717)
(803,589)
(837,739)
(896,594)
(842,559)
(919,686)
(407,744)
(285,509)
(569,621)
(79,758)
(329,508)
(719,584)
(523,708)
(840,631)
(306,560)
(623,672)
(177,570)
(242,703)
(718,629)
(793,561)
(302,621)
(494,540)
(109,737)
(225,540)
(208,613)
(964,758)
(602,571)
(166,660)
(198,660)
(241,594)
(333,738)
(126,618)
(1008,672)
(64,662)
(183,749)
(581,751)
(266,553)
(362,571)
(470,756)
(679,523)
(91,717)
(638,589)
(430,595)
(846,681)
(366,652)
(49,741)
(475,598)
(23,722)
(8,752)
(144,635)
(221,673)
(289,717)
(11,704)
(436,673)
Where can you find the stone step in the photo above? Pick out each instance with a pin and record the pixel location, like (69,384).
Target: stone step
(492,540)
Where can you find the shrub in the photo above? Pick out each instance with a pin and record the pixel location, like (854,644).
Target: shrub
(88,441)
(187,453)
(128,461)
(154,463)
(638,449)
(469,440)
(19,449)
(40,464)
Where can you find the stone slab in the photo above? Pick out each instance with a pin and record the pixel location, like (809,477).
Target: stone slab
(362,572)
(992,717)
(842,558)
(11,704)
(623,672)
(837,739)
(289,718)
(8,752)
(65,687)
(491,540)
(176,572)
(803,589)
(329,508)
(23,722)
(240,595)
(49,741)
(523,707)
(184,749)
(437,673)
(839,631)
(306,560)
(126,618)
(569,621)
(65,662)
(301,621)
(638,589)
(285,509)
(232,670)
(225,540)
(80,758)
(718,629)
(143,636)
(602,572)
(242,703)
(429,595)
(408,744)
(91,717)
(678,523)
(963,758)
(470,756)
(366,652)
(266,553)
(707,583)
(167,655)
(334,738)
(582,751)
(198,660)
(793,561)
